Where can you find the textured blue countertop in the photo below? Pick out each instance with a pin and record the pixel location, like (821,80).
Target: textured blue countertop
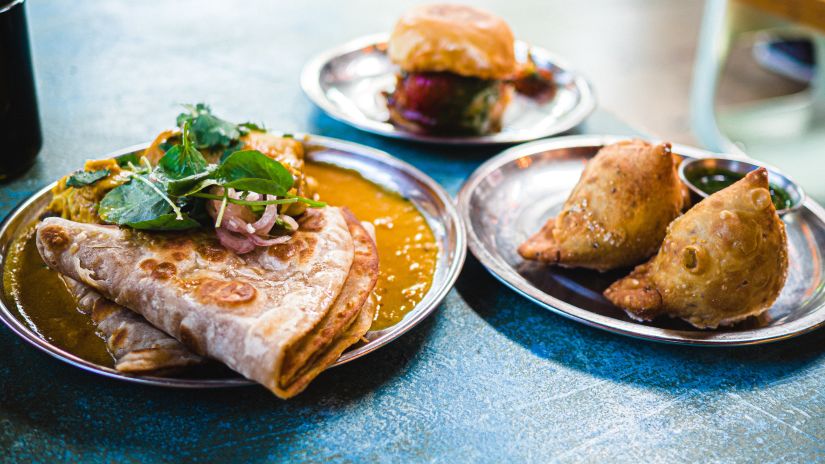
(489,377)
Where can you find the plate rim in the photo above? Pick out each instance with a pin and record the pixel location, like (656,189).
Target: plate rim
(410,320)
(311,85)
(512,279)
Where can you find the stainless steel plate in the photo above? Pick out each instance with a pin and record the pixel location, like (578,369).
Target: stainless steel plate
(377,166)
(348,82)
(512,195)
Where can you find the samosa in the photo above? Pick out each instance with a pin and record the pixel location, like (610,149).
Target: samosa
(724,260)
(618,212)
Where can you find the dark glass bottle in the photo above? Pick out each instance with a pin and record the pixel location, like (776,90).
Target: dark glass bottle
(20,137)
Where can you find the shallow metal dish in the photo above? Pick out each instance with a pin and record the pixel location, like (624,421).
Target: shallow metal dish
(375,165)
(741,166)
(348,82)
(512,195)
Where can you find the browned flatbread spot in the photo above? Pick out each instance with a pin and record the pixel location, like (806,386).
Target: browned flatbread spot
(311,221)
(118,337)
(55,238)
(102,309)
(148,265)
(225,293)
(164,271)
(211,251)
(303,247)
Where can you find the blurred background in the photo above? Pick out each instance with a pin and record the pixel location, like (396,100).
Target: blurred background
(689,71)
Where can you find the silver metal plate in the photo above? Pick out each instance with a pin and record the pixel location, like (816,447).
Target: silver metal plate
(512,195)
(348,82)
(375,165)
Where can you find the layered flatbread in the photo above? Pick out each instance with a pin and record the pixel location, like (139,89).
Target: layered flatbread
(137,346)
(278,315)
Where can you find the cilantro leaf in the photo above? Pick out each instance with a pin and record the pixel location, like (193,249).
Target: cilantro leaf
(83,178)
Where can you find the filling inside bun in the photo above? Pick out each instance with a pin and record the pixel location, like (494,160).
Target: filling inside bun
(443,102)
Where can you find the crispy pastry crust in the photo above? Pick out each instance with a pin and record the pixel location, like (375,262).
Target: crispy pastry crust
(724,260)
(617,214)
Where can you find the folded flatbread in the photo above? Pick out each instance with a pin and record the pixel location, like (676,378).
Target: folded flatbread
(137,346)
(278,315)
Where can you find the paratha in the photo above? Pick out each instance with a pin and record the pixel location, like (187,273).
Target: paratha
(278,315)
(136,346)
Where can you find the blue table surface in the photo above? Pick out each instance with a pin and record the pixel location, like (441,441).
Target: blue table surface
(488,377)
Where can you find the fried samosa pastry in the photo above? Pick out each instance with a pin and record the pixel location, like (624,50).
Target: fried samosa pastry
(724,260)
(137,346)
(278,315)
(618,212)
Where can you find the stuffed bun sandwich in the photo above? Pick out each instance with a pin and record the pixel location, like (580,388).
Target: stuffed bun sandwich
(455,65)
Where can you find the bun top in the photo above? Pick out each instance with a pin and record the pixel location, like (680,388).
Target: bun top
(453,38)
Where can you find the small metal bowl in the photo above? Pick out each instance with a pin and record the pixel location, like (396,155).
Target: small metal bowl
(741,166)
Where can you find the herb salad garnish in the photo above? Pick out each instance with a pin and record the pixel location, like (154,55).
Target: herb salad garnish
(210,132)
(172,195)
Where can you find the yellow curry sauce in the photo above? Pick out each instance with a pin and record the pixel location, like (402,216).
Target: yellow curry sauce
(406,248)
(43,302)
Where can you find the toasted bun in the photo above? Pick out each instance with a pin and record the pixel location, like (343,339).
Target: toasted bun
(453,38)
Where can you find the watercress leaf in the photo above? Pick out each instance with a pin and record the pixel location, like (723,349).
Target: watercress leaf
(236,146)
(190,185)
(83,178)
(247,127)
(131,202)
(192,111)
(182,161)
(208,130)
(262,186)
(252,164)
(168,221)
(124,160)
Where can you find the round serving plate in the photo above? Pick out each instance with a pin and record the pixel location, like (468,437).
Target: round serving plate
(377,166)
(348,83)
(512,195)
